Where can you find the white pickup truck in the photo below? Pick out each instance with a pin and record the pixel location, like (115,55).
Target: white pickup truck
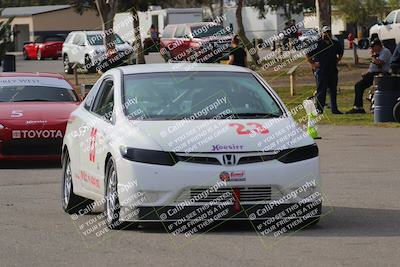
(388,30)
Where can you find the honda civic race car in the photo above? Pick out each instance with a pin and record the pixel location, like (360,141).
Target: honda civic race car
(34,109)
(170,142)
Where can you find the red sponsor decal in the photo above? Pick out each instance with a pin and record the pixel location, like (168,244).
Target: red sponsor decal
(249,128)
(92,151)
(84,176)
(236,199)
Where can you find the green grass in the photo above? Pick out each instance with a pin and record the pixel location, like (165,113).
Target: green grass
(345,102)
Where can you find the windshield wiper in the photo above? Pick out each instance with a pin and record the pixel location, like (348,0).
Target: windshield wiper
(251,115)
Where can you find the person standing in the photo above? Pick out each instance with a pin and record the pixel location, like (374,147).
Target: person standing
(380,63)
(153,32)
(324,60)
(238,55)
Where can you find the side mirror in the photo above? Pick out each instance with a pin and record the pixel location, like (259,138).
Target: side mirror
(385,22)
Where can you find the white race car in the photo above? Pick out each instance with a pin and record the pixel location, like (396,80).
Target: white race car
(197,142)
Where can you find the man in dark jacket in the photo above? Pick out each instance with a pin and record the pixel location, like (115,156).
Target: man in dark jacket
(324,60)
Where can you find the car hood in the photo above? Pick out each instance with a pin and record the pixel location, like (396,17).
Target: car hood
(35,111)
(217,135)
(374,28)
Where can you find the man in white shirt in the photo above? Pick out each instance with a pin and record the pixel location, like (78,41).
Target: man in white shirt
(380,63)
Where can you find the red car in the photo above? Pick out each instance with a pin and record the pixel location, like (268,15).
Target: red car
(34,111)
(42,48)
(203,42)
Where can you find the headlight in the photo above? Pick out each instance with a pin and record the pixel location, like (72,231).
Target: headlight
(149,156)
(298,154)
(2,126)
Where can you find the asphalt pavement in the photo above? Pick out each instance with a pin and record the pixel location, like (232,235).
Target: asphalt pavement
(361,184)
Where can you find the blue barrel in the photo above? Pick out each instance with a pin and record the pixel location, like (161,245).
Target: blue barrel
(385,97)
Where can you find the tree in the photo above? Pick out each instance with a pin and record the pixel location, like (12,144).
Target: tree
(358,11)
(323,8)
(4,36)
(134,6)
(242,34)
(107,10)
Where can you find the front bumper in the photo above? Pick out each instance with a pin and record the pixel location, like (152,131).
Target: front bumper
(151,189)
(28,150)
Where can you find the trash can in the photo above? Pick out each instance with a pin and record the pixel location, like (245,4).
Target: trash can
(9,63)
(385,97)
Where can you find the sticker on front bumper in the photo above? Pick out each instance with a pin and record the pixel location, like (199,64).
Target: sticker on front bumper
(232,176)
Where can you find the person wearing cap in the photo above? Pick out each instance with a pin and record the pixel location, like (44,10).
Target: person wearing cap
(380,63)
(324,60)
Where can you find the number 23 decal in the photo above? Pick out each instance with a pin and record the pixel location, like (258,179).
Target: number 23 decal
(249,128)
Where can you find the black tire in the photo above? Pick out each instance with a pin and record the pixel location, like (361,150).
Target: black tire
(67,65)
(70,202)
(55,58)
(112,211)
(39,55)
(25,55)
(396,112)
(88,62)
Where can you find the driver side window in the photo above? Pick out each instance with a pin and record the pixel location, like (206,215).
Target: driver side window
(104,102)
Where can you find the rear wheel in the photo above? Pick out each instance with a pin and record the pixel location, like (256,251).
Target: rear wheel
(396,112)
(67,65)
(25,54)
(70,202)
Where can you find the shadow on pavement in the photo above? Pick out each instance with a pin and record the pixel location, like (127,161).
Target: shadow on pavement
(30,165)
(341,222)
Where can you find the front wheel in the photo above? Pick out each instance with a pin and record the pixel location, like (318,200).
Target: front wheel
(112,200)
(39,55)
(70,202)
(90,68)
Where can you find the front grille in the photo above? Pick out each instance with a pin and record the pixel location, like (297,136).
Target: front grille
(255,159)
(200,160)
(32,147)
(247,194)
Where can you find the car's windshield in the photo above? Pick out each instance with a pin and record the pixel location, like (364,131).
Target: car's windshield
(207,31)
(197,95)
(98,39)
(54,39)
(36,93)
